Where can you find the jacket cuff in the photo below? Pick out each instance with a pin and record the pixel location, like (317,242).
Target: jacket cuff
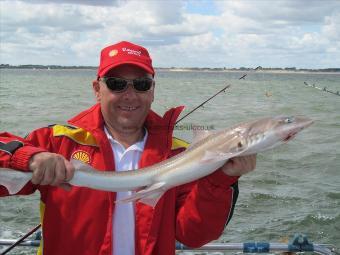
(219,178)
(20,159)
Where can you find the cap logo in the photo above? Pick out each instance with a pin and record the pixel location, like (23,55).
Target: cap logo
(132,52)
(82,156)
(113,53)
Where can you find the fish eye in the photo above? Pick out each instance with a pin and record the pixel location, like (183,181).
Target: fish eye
(289,120)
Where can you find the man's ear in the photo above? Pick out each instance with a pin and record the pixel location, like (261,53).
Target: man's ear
(96,90)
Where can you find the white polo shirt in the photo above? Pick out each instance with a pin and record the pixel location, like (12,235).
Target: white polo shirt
(124,213)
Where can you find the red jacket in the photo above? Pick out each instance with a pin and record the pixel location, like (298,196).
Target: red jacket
(80,221)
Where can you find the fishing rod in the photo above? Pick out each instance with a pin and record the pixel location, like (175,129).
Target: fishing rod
(242,78)
(220,91)
(17,242)
(322,89)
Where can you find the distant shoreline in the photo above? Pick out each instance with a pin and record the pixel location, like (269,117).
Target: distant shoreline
(273,71)
(179,69)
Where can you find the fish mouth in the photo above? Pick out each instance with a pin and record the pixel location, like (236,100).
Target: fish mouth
(290,136)
(304,123)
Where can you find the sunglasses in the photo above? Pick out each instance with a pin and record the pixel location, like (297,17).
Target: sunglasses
(120,85)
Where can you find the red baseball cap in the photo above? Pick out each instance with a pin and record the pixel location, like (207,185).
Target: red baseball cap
(124,53)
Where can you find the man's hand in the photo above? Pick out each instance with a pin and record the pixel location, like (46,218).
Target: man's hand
(51,169)
(239,165)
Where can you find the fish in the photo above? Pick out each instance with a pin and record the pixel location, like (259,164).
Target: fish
(208,151)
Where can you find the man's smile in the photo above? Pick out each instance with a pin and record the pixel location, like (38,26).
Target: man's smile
(127,108)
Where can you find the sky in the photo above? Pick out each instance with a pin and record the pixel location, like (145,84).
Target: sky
(192,33)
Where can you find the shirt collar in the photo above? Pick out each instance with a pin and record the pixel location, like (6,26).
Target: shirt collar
(138,146)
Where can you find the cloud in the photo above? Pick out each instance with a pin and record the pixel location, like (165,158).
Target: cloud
(178,33)
(281,32)
(281,11)
(77,2)
(331,28)
(45,18)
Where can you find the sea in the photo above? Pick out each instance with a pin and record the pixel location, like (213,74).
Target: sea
(295,187)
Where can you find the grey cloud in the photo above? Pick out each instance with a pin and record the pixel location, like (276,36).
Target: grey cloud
(50,22)
(79,2)
(165,12)
(245,32)
(158,41)
(286,11)
(154,22)
(41,26)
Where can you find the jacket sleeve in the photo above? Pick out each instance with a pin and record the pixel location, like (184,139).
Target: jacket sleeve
(15,152)
(204,207)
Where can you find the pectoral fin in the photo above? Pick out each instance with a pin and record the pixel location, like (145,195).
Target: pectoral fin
(13,180)
(150,195)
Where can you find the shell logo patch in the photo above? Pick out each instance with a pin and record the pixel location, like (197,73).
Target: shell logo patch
(113,53)
(82,156)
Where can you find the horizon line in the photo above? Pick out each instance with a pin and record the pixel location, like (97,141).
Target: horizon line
(172,67)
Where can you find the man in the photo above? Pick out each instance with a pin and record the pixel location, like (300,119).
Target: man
(121,132)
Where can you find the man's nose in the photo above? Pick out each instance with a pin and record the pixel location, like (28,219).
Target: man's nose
(130,92)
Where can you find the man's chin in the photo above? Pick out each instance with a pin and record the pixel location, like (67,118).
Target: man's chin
(128,125)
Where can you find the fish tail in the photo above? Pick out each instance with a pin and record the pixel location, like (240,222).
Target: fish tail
(13,180)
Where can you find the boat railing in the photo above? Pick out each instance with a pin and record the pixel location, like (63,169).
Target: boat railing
(298,244)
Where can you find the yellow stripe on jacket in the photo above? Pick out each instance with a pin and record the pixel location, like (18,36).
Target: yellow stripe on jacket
(78,135)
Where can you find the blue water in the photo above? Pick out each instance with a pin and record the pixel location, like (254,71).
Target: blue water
(295,188)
